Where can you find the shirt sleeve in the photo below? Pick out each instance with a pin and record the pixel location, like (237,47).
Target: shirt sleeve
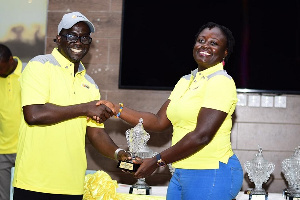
(35,84)
(220,94)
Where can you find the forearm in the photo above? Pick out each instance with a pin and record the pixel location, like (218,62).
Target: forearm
(184,148)
(50,114)
(208,123)
(102,142)
(151,122)
(187,146)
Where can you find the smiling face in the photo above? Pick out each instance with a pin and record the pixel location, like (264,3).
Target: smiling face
(74,51)
(210,48)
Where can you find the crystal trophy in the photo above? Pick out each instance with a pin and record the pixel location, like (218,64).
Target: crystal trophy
(291,171)
(171,169)
(137,139)
(259,171)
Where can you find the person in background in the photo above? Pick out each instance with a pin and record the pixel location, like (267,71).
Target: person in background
(200,110)
(59,102)
(10,115)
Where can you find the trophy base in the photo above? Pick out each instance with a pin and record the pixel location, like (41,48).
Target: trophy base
(140,187)
(142,191)
(290,195)
(258,194)
(128,166)
(258,197)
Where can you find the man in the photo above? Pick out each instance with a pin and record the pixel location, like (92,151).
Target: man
(10,115)
(59,102)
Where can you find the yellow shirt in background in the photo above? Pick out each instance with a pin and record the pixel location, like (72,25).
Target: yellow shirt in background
(211,88)
(10,110)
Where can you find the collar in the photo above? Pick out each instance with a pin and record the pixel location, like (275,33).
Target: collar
(64,62)
(208,71)
(18,69)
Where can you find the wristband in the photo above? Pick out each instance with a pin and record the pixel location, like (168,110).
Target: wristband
(117,151)
(159,161)
(120,110)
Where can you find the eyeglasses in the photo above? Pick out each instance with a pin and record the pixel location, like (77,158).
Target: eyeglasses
(74,38)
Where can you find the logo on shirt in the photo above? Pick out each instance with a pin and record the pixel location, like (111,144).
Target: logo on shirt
(85,85)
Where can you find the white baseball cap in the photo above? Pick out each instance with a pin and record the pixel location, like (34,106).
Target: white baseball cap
(69,19)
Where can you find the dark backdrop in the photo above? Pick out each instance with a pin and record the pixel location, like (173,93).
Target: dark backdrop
(158,37)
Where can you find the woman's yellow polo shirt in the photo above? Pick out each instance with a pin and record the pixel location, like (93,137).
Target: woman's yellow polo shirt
(211,88)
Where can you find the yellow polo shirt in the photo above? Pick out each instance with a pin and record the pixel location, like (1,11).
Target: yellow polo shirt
(211,88)
(10,110)
(51,158)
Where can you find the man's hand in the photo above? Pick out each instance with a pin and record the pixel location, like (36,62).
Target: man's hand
(108,104)
(100,113)
(123,156)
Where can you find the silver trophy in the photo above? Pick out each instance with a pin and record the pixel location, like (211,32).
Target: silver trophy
(291,171)
(137,139)
(259,171)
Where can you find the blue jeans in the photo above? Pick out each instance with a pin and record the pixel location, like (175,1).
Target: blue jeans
(209,184)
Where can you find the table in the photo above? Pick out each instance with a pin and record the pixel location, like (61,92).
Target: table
(271,196)
(155,190)
(162,191)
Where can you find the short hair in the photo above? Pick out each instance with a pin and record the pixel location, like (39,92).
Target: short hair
(225,31)
(5,53)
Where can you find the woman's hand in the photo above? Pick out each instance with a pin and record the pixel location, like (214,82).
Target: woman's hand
(109,104)
(148,166)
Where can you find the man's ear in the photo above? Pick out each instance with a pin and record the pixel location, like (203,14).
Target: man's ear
(11,60)
(57,39)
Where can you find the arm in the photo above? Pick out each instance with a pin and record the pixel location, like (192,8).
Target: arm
(46,114)
(208,123)
(152,122)
(104,144)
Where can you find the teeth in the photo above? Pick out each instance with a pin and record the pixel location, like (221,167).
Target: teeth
(204,53)
(76,50)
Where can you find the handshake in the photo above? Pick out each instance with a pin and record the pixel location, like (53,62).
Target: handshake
(101,110)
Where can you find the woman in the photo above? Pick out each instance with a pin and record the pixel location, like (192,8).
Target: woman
(199,109)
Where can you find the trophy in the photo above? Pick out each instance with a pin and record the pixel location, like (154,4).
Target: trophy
(137,139)
(291,171)
(259,171)
(171,169)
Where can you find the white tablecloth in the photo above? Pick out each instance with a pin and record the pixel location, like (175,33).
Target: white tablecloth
(155,190)
(162,191)
(271,196)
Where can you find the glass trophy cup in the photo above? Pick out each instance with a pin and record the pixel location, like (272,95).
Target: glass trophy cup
(291,171)
(137,139)
(259,171)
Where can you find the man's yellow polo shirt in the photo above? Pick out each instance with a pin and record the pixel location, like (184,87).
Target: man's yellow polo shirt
(211,88)
(51,158)
(10,110)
